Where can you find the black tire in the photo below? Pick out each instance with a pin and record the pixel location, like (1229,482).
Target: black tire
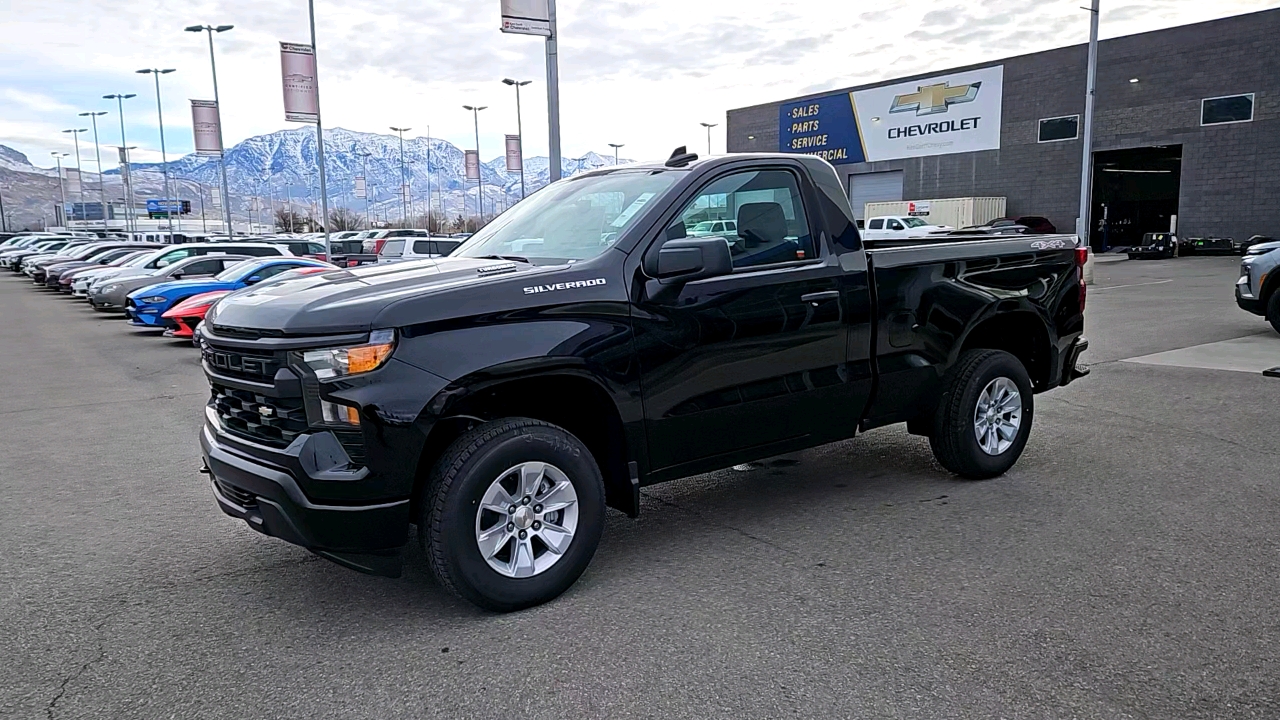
(451,499)
(1273,310)
(953,439)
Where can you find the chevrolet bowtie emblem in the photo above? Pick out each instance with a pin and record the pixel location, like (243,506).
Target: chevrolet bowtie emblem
(266,411)
(931,99)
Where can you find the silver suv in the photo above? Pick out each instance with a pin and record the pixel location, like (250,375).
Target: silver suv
(1259,282)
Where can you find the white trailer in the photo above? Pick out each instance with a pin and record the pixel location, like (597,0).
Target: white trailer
(954,212)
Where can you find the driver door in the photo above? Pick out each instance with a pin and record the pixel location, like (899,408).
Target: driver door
(753,361)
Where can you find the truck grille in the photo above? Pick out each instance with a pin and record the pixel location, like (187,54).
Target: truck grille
(267,420)
(249,365)
(243,498)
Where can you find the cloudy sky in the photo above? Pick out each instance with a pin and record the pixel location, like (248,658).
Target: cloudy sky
(640,73)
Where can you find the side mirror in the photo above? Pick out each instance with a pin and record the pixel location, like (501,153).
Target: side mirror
(254,280)
(178,275)
(680,261)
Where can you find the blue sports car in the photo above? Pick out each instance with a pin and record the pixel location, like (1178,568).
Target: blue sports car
(145,306)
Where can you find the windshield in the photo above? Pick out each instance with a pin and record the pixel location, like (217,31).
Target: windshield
(913,222)
(240,269)
(573,220)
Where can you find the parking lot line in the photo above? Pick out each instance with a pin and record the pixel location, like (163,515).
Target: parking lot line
(1117,287)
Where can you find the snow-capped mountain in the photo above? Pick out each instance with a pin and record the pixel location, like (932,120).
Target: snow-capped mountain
(284,165)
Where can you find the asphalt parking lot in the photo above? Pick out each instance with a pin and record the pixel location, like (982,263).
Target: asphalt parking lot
(1129,566)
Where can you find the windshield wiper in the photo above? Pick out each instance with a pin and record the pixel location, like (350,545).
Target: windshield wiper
(515,258)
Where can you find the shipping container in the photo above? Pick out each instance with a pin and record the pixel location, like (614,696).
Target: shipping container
(954,212)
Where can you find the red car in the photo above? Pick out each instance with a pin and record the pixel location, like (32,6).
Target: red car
(181,319)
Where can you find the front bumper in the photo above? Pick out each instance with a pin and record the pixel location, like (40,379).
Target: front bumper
(1249,304)
(259,485)
(1071,370)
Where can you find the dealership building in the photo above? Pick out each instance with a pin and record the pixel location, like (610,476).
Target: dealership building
(1186,133)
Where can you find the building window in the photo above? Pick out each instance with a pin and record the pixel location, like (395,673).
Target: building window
(1229,109)
(1060,128)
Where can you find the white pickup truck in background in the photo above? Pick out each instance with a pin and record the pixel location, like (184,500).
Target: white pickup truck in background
(900,227)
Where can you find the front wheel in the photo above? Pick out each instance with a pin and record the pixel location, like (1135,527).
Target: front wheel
(512,514)
(984,417)
(1273,310)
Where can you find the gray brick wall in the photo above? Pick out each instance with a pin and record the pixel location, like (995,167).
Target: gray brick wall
(1230,173)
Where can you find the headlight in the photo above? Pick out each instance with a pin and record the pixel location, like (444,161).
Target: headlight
(340,362)
(155,299)
(110,288)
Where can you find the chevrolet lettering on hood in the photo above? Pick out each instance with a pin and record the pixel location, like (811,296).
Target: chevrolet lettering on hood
(563,286)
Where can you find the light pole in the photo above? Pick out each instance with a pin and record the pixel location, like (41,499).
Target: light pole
(130,219)
(615,147)
(708,126)
(226,195)
(164,158)
(404,182)
(1083,229)
(428,181)
(120,98)
(97,151)
(62,186)
(517,84)
(475,115)
(75,134)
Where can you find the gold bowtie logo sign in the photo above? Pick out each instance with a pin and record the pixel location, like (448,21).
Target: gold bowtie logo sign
(932,99)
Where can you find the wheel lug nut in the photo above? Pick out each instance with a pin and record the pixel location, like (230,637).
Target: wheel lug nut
(537,508)
(523,534)
(511,526)
(537,525)
(512,509)
(526,500)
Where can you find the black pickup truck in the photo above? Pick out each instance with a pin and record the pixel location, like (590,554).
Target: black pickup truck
(588,343)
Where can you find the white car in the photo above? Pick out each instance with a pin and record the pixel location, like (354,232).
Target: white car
(900,227)
(402,249)
(712,228)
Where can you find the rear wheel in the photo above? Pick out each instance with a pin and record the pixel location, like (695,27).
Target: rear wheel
(512,514)
(984,417)
(1273,310)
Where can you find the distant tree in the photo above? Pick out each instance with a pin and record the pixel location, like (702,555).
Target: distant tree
(344,219)
(290,221)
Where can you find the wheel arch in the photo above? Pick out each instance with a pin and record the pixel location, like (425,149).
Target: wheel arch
(572,399)
(1021,333)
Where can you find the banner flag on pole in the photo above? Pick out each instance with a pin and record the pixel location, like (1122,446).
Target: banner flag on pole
(206,127)
(360,187)
(514,156)
(526,17)
(473,164)
(298,76)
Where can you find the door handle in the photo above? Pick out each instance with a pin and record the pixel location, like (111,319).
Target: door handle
(820,297)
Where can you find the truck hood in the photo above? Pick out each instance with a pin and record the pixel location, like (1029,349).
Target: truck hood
(350,300)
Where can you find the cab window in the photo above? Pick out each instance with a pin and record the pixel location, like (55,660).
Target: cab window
(770,225)
(392,248)
(895,225)
(877,224)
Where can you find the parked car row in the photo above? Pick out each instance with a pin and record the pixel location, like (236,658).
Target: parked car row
(156,285)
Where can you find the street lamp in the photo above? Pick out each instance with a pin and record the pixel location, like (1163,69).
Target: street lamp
(75,134)
(164,159)
(128,180)
(102,186)
(475,114)
(62,187)
(517,84)
(130,219)
(615,147)
(404,181)
(226,195)
(708,126)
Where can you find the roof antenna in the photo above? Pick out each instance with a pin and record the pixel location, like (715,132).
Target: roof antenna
(681,157)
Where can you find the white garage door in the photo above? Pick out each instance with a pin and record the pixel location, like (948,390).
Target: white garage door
(873,187)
